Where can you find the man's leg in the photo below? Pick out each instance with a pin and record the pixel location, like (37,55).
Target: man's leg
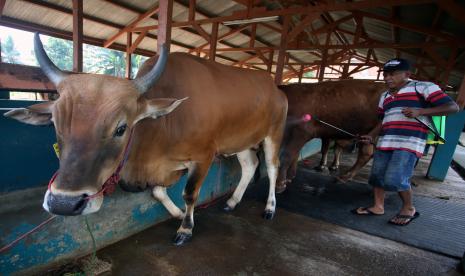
(378,170)
(398,175)
(407,207)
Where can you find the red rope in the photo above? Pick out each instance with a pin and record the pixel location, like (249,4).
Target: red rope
(110,185)
(11,244)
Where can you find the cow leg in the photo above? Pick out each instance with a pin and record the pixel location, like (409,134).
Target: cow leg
(289,153)
(292,171)
(271,149)
(337,157)
(324,156)
(365,153)
(159,193)
(249,162)
(196,176)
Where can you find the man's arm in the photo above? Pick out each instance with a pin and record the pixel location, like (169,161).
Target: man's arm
(444,109)
(370,137)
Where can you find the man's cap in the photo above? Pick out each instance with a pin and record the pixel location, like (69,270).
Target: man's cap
(396,64)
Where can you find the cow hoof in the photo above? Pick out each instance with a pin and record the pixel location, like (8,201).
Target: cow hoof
(321,168)
(181,238)
(227,208)
(268,214)
(334,168)
(280,188)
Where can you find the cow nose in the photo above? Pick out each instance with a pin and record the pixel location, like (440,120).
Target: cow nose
(66,205)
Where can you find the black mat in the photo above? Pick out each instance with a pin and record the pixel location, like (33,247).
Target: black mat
(440,227)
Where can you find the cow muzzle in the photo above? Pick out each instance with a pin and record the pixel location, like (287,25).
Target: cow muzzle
(71,205)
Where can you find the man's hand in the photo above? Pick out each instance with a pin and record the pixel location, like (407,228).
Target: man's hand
(366,139)
(411,112)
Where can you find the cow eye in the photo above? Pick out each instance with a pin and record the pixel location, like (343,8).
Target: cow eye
(120,131)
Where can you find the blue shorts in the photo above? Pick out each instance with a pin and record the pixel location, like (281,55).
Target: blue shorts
(392,170)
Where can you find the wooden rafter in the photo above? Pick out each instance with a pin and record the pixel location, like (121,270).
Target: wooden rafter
(344,6)
(2,5)
(455,10)
(133,24)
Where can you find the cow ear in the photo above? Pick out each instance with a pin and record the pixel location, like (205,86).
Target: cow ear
(38,114)
(157,107)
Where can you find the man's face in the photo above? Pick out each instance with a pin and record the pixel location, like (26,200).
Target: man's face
(396,79)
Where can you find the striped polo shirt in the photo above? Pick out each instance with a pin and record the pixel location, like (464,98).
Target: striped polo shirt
(399,132)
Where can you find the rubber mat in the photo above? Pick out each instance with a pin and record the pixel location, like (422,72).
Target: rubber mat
(440,227)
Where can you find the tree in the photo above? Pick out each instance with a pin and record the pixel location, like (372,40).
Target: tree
(104,61)
(9,52)
(60,52)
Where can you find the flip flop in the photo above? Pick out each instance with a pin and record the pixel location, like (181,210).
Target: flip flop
(409,219)
(364,209)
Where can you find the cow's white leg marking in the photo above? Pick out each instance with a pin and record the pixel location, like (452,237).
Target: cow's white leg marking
(249,162)
(270,149)
(160,194)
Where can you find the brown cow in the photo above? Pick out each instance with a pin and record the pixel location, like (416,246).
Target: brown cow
(229,111)
(348,104)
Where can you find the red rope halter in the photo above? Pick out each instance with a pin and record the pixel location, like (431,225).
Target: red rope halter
(110,185)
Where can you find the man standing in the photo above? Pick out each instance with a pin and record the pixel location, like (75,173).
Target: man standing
(402,138)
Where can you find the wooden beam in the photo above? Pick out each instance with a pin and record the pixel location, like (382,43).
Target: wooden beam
(17,77)
(282,50)
(395,29)
(77,35)
(450,64)
(191,15)
(343,6)
(134,23)
(136,43)
(461,95)
(253,33)
(271,27)
(31,27)
(2,5)
(269,65)
(302,25)
(128,55)
(201,32)
(332,25)
(457,11)
(230,33)
(435,56)
(213,42)
(301,73)
(165,18)
(58,8)
(428,31)
(324,59)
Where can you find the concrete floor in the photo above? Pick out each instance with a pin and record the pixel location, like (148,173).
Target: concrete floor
(242,243)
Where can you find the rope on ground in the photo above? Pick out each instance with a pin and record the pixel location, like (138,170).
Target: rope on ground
(35,229)
(94,246)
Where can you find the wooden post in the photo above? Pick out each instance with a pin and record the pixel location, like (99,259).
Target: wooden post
(324,58)
(165,14)
(77,35)
(213,41)
(128,55)
(269,65)
(191,16)
(461,94)
(282,51)
(301,73)
(253,33)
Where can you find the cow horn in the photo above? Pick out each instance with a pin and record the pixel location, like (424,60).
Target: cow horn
(145,82)
(54,74)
